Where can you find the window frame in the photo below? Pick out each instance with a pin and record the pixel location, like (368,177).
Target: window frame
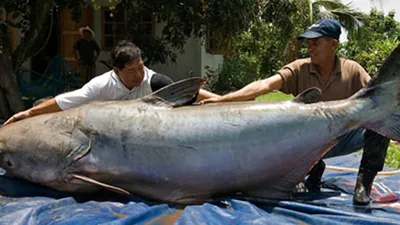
(114,35)
(126,20)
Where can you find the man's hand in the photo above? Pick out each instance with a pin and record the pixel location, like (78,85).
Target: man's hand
(212,100)
(19,116)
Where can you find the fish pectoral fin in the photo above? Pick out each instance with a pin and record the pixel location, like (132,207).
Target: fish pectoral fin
(310,95)
(284,187)
(176,94)
(106,186)
(82,146)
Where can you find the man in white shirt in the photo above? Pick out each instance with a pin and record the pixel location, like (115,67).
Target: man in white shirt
(129,79)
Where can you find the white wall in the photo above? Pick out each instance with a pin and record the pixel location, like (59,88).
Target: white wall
(191,61)
(187,62)
(211,60)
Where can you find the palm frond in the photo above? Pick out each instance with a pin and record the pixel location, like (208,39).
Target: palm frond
(327,15)
(350,19)
(329,4)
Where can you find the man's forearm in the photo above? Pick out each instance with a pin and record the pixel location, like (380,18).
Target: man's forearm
(43,108)
(76,55)
(48,106)
(255,89)
(204,94)
(249,92)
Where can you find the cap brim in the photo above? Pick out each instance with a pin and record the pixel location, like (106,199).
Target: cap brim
(310,34)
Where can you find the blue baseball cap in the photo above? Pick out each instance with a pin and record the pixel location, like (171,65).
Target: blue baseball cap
(324,27)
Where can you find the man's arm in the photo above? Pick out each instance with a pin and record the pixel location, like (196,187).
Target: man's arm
(250,91)
(204,94)
(48,106)
(89,92)
(76,55)
(97,50)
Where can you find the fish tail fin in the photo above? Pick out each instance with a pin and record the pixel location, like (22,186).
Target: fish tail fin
(383,94)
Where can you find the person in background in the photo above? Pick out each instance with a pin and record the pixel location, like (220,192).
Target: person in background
(86,52)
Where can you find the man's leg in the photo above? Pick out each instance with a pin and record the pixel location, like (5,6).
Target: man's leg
(91,72)
(313,182)
(88,73)
(82,73)
(347,143)
(372,161)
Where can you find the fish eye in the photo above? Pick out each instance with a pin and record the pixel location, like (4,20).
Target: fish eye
(9,164)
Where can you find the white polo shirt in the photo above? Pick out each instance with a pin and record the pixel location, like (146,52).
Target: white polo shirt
(106,87)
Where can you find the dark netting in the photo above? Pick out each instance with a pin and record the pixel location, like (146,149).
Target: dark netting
(57,78)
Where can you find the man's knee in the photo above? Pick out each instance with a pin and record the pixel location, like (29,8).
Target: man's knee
(347,144)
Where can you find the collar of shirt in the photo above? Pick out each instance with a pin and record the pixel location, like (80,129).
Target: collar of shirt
(337,70)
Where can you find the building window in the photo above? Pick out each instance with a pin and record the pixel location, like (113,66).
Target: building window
(114,28)
(141,28)
(137,27)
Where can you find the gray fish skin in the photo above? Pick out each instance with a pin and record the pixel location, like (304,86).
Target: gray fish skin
(210,150)
(157,149)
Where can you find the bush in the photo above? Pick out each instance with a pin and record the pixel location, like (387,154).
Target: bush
(256,56)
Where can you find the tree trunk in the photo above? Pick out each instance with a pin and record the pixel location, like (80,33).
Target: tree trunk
(5,110)
(10,97)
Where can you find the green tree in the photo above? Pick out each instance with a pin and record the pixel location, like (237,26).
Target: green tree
(300,14)
(256,55)
(381,36)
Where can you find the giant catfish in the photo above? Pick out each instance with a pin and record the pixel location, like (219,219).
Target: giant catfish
(155,147)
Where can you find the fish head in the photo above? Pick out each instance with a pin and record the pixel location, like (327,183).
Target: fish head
(36,153)
(29,158)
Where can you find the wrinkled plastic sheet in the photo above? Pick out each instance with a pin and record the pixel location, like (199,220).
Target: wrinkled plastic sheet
(23,203)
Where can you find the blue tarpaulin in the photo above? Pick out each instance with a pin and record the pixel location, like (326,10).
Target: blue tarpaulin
(22,202)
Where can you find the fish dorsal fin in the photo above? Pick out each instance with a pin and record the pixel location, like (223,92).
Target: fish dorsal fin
(310,95)
(177,93)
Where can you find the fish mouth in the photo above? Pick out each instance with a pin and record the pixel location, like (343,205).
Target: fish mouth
(61,184)
(43,178)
